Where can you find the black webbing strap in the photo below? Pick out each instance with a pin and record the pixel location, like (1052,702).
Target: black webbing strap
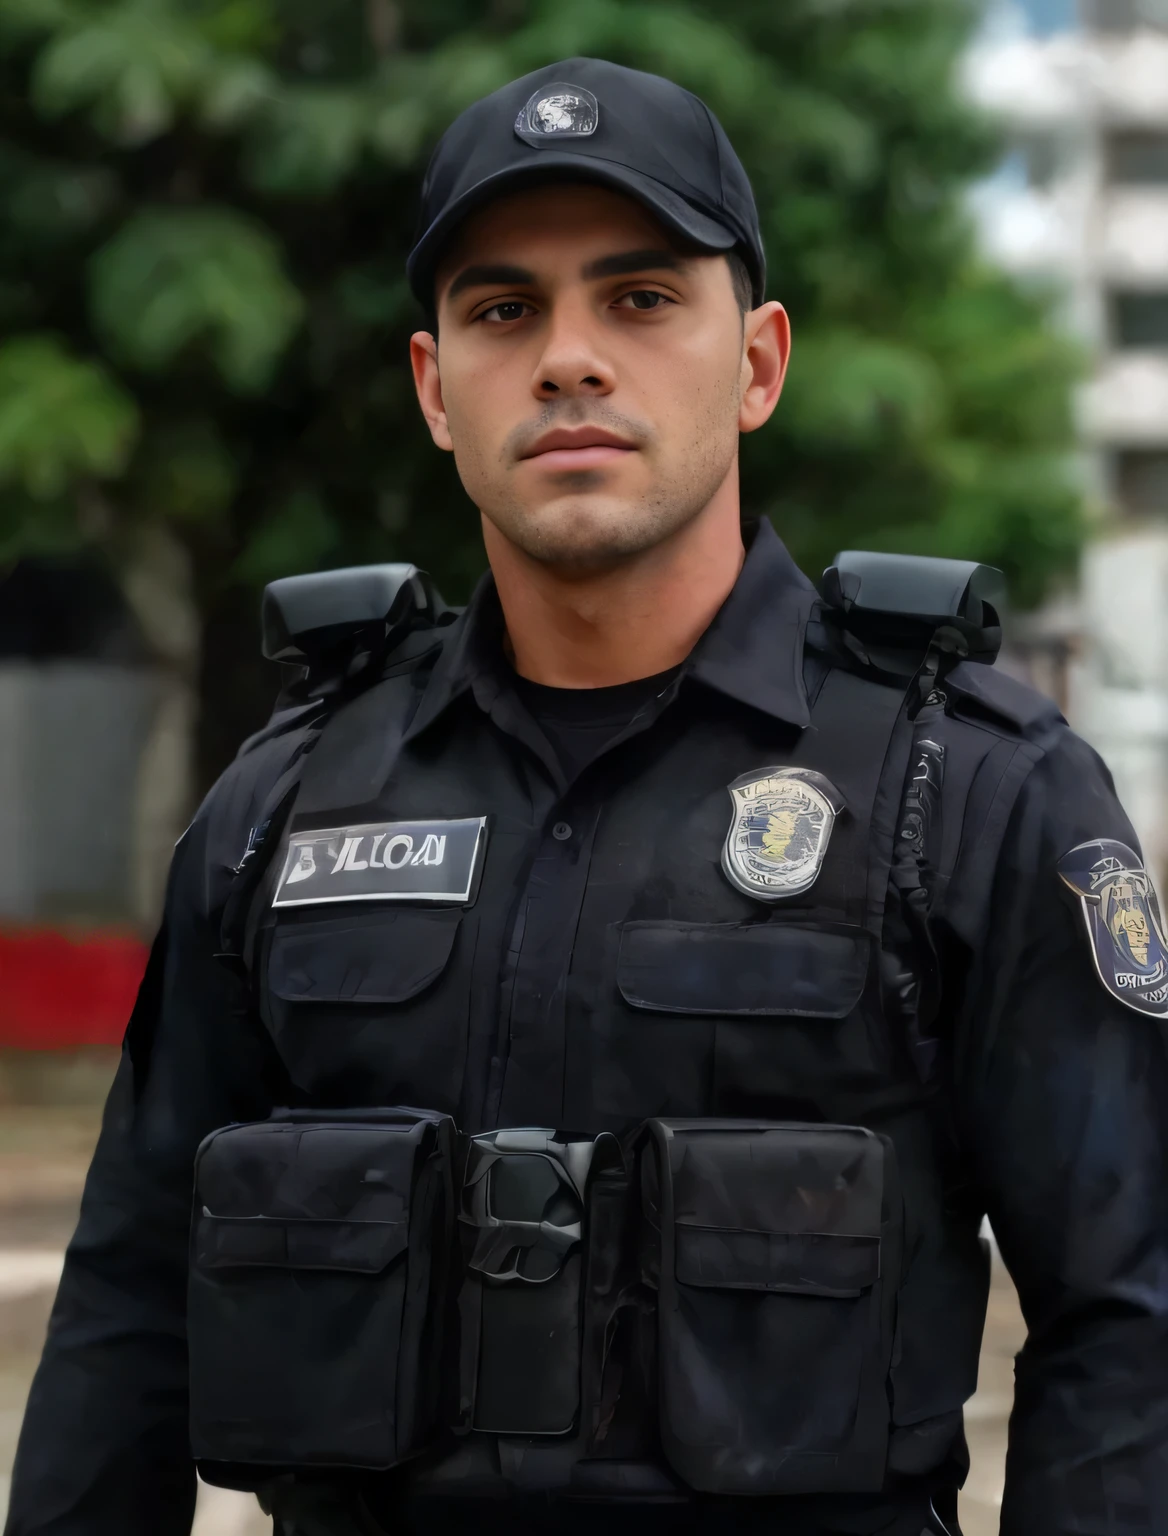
(916,984)
(356,752)
(344,750)
(859,738)
(262,842)
(352,757)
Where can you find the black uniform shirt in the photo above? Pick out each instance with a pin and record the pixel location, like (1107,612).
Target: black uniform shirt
(514,1010)
(580,722)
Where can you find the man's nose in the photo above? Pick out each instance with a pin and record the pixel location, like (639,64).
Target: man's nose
(573,361)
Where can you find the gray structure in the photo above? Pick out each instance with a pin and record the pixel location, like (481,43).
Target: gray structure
(94,748)
(73,742)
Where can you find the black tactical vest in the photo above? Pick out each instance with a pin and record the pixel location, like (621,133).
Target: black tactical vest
(768,1279)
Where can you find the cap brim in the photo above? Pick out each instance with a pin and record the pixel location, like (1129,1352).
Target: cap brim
(679,217)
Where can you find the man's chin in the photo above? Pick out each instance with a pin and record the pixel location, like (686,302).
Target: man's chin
(583,537)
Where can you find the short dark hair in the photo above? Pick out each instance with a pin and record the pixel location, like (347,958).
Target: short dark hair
(740,278)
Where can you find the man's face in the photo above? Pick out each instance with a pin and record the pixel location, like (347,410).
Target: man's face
(588,377)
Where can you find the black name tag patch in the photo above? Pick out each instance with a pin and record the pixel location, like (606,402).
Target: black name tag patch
(383,861)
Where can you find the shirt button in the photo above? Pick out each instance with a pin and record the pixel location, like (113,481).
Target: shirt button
(561,831)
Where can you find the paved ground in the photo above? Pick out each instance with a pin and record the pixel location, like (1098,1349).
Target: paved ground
(986,1414)
(44,1151)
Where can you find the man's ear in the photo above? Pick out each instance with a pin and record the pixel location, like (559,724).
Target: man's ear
(428,383)
(766,350)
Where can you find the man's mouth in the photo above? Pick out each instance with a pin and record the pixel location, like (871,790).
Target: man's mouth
(577,448)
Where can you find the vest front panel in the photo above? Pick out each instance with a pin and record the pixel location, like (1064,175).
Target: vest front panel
(608,971)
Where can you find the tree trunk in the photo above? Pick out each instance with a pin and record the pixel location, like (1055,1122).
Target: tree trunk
(156,583)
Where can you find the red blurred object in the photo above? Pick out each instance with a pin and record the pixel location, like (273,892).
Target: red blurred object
(58,991)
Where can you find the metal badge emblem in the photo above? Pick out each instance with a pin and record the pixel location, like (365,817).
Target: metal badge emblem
(779,831)
(383,861)
(1122,915)
(558,111)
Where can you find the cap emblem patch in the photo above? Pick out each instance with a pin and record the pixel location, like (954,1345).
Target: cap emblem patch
(1119,907)
(779,831)
(558,111)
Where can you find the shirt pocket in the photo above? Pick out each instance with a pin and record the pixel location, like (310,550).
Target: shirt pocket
(780,1002)
(371,1007)
(762,969)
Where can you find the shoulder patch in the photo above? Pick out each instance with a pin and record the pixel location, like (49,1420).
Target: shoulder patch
(1122,914)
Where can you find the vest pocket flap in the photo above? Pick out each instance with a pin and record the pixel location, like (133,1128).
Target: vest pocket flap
(285,1173)
(794,1179)
(363,1247)
(742,968)
(804,1263)
(376,957)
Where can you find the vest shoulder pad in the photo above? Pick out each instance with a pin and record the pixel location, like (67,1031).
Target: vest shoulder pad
(336,625)
(894,606)
(285,719)
(996,698)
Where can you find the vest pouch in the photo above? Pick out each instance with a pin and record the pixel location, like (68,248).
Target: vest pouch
(775,1252)
(320,1258)
(522,1213)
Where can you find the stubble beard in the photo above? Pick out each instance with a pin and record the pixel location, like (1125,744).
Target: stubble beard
(582,533)
(585,530)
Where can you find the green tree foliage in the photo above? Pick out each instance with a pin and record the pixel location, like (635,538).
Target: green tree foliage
(205,207)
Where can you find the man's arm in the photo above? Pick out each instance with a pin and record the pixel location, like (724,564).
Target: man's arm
(1063,1098)
(104,1450)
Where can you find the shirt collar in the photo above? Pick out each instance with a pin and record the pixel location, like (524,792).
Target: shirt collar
(752,651)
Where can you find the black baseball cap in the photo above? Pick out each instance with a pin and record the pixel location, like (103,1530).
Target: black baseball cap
(589,120)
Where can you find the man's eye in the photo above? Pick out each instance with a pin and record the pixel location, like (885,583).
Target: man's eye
(644,298)
(510,309)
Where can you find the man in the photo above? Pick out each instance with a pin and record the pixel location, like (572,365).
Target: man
(648,838)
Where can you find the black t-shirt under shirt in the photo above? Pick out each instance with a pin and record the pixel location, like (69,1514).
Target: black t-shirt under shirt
(580,722)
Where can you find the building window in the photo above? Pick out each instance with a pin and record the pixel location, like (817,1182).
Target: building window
(1137,158)
(1141,481)
(1126,15)
(1044,158)
(1139,319)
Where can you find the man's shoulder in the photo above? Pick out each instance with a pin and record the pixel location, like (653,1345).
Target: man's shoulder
(991,698)
(1058,770)
(234,809)
(1052,772)
(232,819)
(1037,791)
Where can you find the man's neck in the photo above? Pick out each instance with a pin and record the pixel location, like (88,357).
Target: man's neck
(633,620)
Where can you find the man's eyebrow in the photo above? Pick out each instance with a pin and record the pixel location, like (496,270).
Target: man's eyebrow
(625,262)
(490,275)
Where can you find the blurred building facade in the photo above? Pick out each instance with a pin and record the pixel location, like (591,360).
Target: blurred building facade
(1082,200)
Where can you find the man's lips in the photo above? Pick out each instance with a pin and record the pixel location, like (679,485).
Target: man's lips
(584,448)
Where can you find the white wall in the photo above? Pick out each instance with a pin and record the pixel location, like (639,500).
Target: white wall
(1119,701)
